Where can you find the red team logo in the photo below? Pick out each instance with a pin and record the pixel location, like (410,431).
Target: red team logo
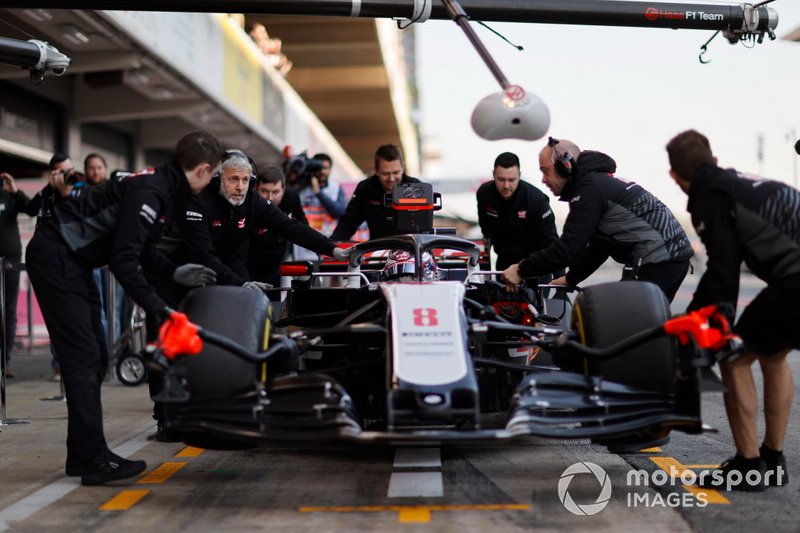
(651,13)
(425,316)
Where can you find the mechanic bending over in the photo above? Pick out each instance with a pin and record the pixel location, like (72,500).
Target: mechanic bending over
(514,216)
(109,225)
(608,217)
(367,200)
(216,227)
(757,221)
(268,249)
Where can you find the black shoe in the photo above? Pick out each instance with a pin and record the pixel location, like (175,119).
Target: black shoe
(166,435)
(110,467)
(75,467)
(733,475)
(776,466)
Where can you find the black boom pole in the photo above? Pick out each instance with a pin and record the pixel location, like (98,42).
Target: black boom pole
(740,19)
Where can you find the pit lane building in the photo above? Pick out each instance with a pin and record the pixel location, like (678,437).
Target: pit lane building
(140,80)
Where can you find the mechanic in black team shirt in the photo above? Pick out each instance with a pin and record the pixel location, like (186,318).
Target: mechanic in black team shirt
(755,221)
(219,222)
(367,200)
(268,249)
(109,225)
(608,217)
(514,216)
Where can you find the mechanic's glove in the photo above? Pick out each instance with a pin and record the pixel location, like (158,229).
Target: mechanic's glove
(341,254)
(259,286)
(194,275)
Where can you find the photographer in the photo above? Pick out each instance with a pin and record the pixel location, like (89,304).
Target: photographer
(367,201)
(63,179)
(323,201)
(63,183)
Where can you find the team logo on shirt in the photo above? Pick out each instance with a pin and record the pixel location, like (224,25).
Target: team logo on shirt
(194,216)
(522,214)
(216,223)
(240,224)
(148,213)
(492,212)
(548,213)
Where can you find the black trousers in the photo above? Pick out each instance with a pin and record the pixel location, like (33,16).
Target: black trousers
(70,304)
(667,275)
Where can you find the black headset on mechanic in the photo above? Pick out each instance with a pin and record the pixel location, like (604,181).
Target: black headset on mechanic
(564,164)
(563,161)
(229,154)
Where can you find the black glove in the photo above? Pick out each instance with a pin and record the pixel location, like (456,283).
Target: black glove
(193,275)
(259,286)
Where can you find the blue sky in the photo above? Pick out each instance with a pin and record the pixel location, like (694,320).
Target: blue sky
(624,91)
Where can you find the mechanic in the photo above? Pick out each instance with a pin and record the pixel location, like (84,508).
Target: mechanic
(267,249)
(607,217)
(109,225)
(218,223)
(740,218)
(12,202)
(514,216)
(367,201)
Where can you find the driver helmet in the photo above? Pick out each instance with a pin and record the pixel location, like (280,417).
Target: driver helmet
(400,263)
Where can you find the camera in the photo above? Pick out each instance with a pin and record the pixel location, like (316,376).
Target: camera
(299,169)
(71,177)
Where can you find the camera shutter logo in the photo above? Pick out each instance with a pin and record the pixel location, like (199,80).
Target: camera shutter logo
(602,499)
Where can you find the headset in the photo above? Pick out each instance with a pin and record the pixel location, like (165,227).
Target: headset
(563,161)
(253,167)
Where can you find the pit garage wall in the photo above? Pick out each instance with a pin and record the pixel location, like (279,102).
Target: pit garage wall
(220,60)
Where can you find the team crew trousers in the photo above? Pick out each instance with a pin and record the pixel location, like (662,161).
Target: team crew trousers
(70,304)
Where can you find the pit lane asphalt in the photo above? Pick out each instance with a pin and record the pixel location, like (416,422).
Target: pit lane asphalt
(302,487)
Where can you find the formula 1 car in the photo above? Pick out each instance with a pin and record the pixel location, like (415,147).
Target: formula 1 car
(418,344)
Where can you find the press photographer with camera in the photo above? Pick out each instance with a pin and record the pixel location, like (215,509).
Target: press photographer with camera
(63,179)
(323,201)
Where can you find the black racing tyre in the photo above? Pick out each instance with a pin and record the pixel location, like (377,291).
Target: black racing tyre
(131,369)
(610,312)
(237,313)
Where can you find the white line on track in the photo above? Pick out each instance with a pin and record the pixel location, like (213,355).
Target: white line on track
(417,458)
(35,502)
(415,484)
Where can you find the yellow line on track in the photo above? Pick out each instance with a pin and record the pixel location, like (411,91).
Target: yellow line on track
(124,500)
(162,473)
(667,463)
(414,513)
(189,451)
(651,450)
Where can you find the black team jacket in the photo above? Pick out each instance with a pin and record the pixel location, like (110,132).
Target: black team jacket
(518,226)
(367,204)
(608,217)
(740,219)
